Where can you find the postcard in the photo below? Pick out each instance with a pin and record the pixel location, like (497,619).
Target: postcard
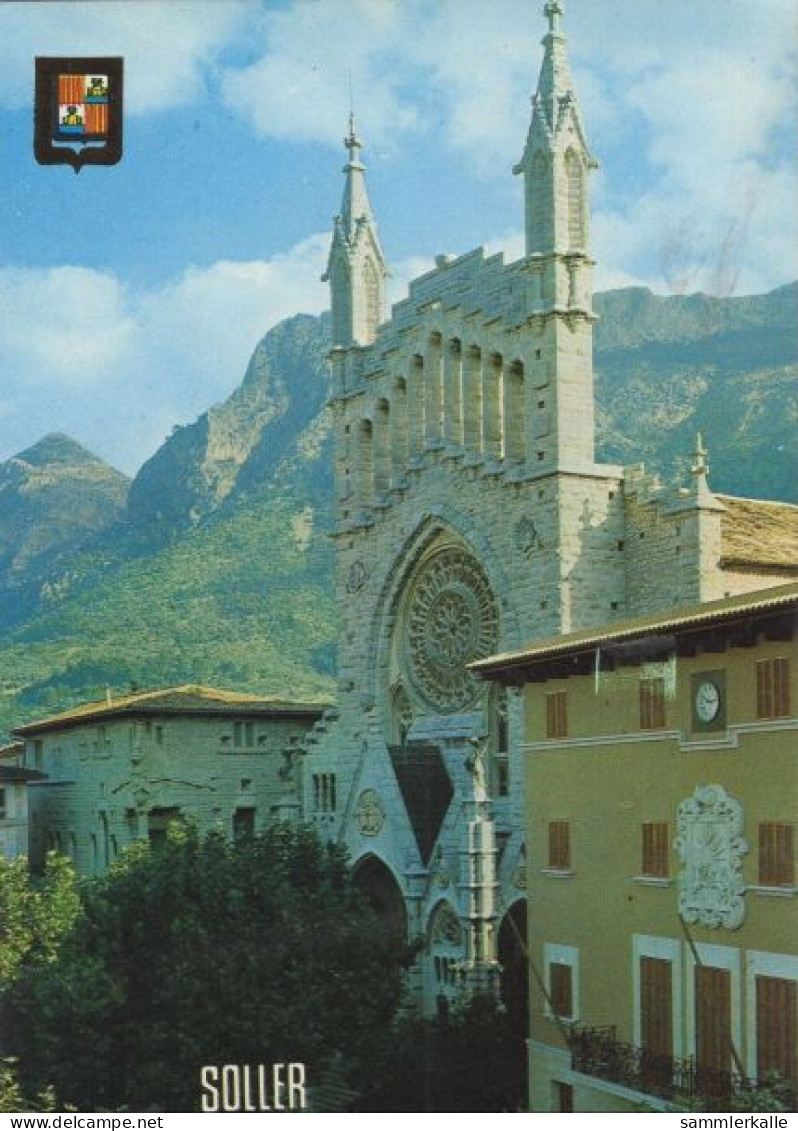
(398,557)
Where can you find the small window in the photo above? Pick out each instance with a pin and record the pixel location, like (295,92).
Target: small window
(556,715)
(773,688)
(244,735)
(776,855)
(652,703)
(561,989)
(655,849)
(159,735)
(559,845)
(324,793)
(3,809)
(243,824)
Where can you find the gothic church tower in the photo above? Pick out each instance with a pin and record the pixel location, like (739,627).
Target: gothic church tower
(556,167)
(470,518)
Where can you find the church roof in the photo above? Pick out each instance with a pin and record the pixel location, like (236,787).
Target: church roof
(188,699)
(755,533)
(778,599)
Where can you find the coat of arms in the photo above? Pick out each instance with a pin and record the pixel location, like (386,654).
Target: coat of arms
(78,111)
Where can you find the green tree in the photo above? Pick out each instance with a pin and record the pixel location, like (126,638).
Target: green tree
(205,952)
(469,1061)
(35,914)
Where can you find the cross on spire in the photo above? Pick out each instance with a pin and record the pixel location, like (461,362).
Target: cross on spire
(554,13)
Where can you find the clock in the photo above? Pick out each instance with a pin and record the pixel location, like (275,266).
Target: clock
(709,700)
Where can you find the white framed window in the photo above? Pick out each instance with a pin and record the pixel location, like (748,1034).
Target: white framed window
(717,960)
(658,949)
(561,979)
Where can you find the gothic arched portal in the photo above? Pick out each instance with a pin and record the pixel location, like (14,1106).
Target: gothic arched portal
(512,955)
(381,889)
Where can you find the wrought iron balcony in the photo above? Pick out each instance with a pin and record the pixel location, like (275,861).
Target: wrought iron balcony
(598,1052)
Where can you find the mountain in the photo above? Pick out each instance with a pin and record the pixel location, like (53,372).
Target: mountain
(667,367)
(237,446)
(54,498)
(218,570)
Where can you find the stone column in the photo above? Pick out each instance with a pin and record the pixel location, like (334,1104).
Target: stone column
(472,401)
(398,429)
(415,409)
(493,408)
(365,464)
(453,394)
(433,388)
(382,450)
(514,416)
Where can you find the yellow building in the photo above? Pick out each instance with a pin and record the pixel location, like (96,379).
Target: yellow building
(661,788)
(125,767)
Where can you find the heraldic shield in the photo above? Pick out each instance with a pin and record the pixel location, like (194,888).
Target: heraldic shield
(78,111)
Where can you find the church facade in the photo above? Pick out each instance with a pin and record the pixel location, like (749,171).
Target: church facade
(471,519)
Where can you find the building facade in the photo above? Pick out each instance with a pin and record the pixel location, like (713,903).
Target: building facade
(111,772)
(471,518)
(661,796)
(14,782)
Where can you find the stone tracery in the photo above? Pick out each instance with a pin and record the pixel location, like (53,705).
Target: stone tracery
(451,619)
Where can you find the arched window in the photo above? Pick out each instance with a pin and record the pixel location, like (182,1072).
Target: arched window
(576,209)
(365,463)
(540,203)
(371,294)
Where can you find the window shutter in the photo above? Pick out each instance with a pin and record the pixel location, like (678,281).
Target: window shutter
(655,849)
(713,1019)
(777,1028)
(559,844)
(776,854)
(656,1021)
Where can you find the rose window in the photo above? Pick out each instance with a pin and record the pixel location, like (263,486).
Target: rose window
(451,620)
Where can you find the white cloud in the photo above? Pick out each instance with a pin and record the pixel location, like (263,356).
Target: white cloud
(166,46)
(299,89)
(125,367)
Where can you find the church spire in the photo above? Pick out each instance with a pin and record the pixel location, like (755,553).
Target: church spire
(356,266)
(355,203)
(556,159)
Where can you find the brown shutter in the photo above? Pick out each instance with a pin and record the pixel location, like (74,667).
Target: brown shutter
(652,703)
(712,1019)
(559,844)
(764,689)
(655,849)
(781,687)
(777,1028)
(560,989)
(556,716)
(776,854)
(656,1021)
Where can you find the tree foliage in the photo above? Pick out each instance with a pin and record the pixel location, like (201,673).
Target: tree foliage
(35,915)
(205,952)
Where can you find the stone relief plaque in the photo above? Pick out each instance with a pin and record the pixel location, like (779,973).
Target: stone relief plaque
(370,813)
(711,846)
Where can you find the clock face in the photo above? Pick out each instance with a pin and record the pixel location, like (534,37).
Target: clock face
(707,701)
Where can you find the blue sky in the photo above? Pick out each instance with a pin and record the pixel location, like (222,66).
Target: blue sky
(131,297)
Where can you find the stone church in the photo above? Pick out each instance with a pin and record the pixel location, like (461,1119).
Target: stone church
(471,519)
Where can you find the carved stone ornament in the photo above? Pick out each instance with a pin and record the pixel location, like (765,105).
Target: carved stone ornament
(370,813)
(527,538)
(356,577)
(711,846)
(450,620)
(446,927)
